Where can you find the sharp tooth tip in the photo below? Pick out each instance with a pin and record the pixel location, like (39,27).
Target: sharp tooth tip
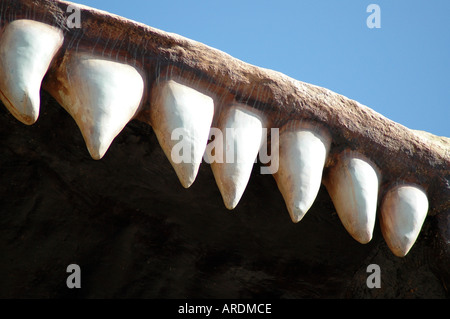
(230,195)
(186,182)
(363,238)
(230,207)
(295,219)
(96,155)
(96,150)
(28,116)
(362,233)
(231,203)
(186,173)
(399,247)
(297,214)
(186,185)
(399,251)
(28,120)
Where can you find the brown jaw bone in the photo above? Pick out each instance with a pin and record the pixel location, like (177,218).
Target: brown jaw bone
(163,65)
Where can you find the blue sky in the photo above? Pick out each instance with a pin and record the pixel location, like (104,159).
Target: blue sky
(401,70)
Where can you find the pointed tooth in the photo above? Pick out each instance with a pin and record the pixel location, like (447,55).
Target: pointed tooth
(353,186)
(303,149)
(26,50)
(242,131)
(403,212)
(102,96)
(181,118)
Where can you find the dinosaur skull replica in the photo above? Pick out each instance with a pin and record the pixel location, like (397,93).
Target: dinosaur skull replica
(111,74)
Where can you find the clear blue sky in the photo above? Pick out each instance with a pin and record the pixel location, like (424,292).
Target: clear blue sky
(401,70)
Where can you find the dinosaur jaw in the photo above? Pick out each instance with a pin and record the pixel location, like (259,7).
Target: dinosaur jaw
(181,87)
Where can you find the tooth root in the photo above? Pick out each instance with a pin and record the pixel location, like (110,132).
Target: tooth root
(26,50)
(353,186)
(303,149)
(181,118)
(403,212)
(102,96)
(236,145)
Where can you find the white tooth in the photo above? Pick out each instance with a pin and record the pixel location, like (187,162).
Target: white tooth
(353,186)
(403,212)
(26,50)
(181,118)
(303,149)
(102,96)
(236,150)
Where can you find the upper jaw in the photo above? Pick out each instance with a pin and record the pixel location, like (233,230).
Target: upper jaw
(160,78)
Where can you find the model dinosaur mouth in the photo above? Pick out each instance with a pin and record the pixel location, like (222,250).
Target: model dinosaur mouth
(104,77)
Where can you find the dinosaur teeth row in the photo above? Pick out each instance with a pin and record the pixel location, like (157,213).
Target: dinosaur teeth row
(103,96)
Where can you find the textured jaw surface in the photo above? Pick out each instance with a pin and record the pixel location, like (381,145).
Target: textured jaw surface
(184,90)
